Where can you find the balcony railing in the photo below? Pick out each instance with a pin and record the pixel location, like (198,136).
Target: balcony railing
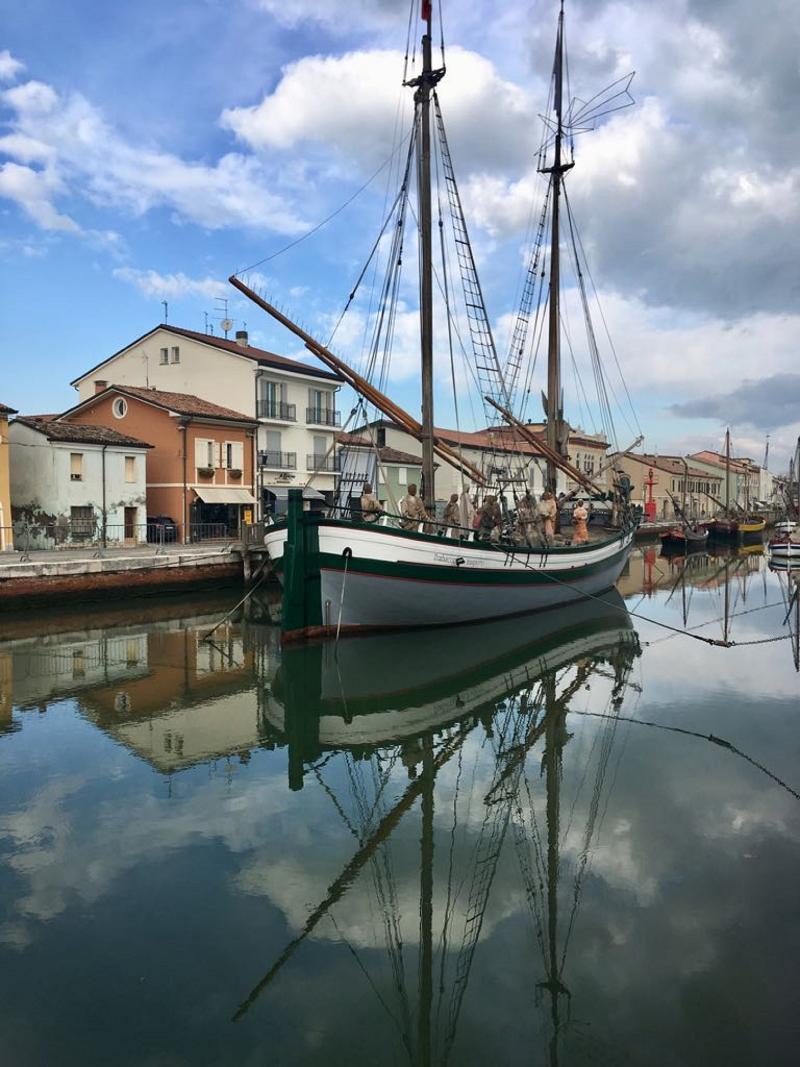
(274,409)
(323,417)
(321,462)
(278,461)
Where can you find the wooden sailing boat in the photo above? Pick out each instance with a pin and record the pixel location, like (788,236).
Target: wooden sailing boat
(343,575)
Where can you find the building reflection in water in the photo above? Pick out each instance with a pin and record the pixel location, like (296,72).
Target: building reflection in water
(171,697)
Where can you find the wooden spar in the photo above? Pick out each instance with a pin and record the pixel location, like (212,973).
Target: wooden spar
(553,457)
(362,386)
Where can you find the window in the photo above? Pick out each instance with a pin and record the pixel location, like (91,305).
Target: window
(402,476)
(176,354)
(205,453)
(163,356)
(76,466)
(81,522)
(130,468)
(233,453)
(120,408)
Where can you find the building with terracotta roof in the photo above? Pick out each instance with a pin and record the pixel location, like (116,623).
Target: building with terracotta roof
(76,484)
(671,478)
(201,471)
(293,402)
(6,531)
(502,456)
(748,484)
(388,470)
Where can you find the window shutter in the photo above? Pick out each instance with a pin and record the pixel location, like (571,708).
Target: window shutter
(220,453)
(200,452)
(238,455)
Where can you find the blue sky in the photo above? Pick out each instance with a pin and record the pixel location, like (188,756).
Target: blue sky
(147,151)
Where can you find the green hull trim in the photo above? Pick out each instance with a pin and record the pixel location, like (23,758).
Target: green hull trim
(302,607)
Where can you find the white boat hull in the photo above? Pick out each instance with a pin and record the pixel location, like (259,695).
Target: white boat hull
(372,578)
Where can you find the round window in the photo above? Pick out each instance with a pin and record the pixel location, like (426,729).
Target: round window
(120,407)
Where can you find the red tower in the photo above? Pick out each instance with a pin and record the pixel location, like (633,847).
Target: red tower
(649,503)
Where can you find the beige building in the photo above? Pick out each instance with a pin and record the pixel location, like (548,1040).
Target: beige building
(6,533)
(294,403)
(746,482)
(498,453)
(674,479)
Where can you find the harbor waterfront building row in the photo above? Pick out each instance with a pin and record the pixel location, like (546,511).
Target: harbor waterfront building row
(201,472)
(503,458)
(293,404)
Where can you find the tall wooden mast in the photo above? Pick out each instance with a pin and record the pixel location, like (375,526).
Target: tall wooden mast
(554,408)
(422,100)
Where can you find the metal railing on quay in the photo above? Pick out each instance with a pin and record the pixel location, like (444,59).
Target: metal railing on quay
(323,417)
(30,539)
(211,531)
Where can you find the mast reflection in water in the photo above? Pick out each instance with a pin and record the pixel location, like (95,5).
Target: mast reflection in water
(540,840)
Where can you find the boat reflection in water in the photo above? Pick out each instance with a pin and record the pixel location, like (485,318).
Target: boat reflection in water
(430,705)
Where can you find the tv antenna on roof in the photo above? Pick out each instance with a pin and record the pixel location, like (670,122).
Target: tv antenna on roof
(226,324)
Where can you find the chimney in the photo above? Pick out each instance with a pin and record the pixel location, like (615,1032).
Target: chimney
(241,338)
(99,386)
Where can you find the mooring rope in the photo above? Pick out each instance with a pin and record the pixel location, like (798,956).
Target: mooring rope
(718,642)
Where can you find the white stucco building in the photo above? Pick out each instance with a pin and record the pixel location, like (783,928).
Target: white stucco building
(498,453)
(294,403)
(72,483)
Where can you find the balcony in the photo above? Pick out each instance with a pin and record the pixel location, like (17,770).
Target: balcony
(276,410)
(323,417)
(278,461)
(322,463)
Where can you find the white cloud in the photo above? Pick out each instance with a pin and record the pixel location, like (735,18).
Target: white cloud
(9,66)
(34,190)
(82,155)
(349,104)
(170,286)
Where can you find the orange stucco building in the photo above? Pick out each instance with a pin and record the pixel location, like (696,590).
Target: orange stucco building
(201,469)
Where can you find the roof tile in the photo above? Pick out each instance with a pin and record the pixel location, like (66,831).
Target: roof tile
(81,434)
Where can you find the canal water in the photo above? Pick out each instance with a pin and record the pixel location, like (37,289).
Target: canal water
(568,839)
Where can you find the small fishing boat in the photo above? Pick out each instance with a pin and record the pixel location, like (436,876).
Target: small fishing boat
(786,526)
(724,529)
(686,537)
(782,547)
(751,527)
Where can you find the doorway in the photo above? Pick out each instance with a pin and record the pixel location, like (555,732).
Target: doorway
(130,525)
